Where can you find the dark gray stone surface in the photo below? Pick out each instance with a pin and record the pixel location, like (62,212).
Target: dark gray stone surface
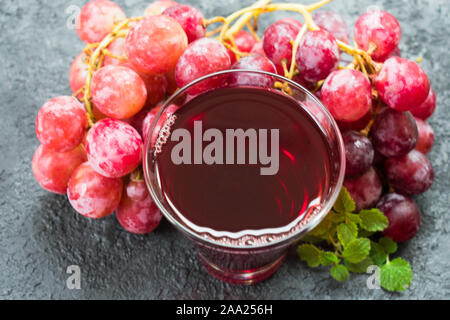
(40,235)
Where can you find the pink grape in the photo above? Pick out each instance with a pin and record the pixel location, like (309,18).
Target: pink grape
(277,42)
(118,92)
(61,124)
(394,133)
(403,215)
(318,55)
(155,43)
(426,109)
(258,49)
(347,94)
(158,7)
(136,190)
(78,72)
(190,18)
(292,21)
(202,57)
(97,18)
(366,190)
(53,170)
(425,139)
(402,84)
(117,48)
(380,28)
(333,23)
(138,216)
(244,41)
(253,62)
(114,148)
(411,173)
(93,195)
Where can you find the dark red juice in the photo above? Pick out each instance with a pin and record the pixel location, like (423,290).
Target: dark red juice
(235,203)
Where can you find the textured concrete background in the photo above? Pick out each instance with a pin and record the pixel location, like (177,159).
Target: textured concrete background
(40,235)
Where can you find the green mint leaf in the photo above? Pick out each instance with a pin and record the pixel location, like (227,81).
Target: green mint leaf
(356,250)
(346,233)
(360,267)
(328,258)
(362,233)
(310,254)
(388,245)
(396,275)
(339,272)
(373,220)
(353,217)
(377,253)
(344,202)
(323,230)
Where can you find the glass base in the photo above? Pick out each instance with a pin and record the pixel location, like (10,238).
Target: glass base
(241,277)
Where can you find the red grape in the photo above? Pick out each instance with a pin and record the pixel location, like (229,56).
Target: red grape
(253,62)
(347,94)
(394,133)
(190,18)
(380,28)
(97,18)
(426,136)
(426,109)
(202,57)
(318,55)
(118,92)
(93,195)
(138,216)
(303,82)
(137,190)
(411,173)
(403,215)
(146,126)
(61,124)
(117,48)
(355,125)
(78,72)
(402,84)
(158,7)
(396,53)
(244,41)
(292,21)
(53,169)
(277,42)
(155,44)
(114,148)
(171,82)
(365,190)
(258,49)
(333,23)
(137,120)
(359,153)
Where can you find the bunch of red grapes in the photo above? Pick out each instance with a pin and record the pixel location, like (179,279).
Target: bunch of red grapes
(94,154)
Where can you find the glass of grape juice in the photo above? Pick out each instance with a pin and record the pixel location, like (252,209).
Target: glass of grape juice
(244,170)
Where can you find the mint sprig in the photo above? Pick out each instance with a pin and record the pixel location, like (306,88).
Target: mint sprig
(348,234)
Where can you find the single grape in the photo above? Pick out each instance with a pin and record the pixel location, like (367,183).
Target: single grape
(202,57)
(379,28)
(258,48)
(140,216)
(359,153)
(318,55)
(147,124)
(118,92)
(136,190)
(426,109)
(366,190)
(190,18)
(96,19)
(347,94)
(155,43)
(253,62)
(277,42)
(402,84)
(403,215)
(425,139)
(292,21)
(114,148)
(357,125)
(61,124)
(333,23)
(53,169)
(117,48)
(93,195)
(244,41)
(78,73)
(158,7)
(394,133)
(410,174)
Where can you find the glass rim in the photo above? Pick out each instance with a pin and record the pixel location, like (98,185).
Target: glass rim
(314,220)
